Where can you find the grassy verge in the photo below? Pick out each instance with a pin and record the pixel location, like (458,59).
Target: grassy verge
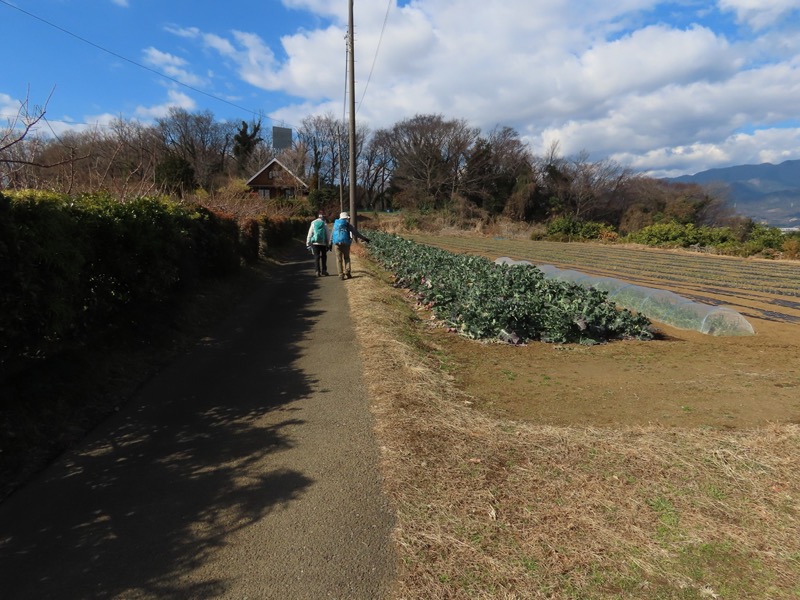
(492,508)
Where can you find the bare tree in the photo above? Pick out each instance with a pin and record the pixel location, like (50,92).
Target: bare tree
(494,166)
(200,141)
(430,155)
(593,185)
(137,150)
(375,168)
(577,187)
(325,139)
(21,124)
(16,155)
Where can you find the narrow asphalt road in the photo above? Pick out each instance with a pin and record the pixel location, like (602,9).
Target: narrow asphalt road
(246,469)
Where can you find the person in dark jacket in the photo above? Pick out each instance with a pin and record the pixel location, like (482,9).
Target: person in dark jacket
(343,235)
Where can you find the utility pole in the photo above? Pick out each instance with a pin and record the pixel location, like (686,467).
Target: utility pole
(351,62)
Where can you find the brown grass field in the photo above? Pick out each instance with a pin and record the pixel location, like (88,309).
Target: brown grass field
(653,470)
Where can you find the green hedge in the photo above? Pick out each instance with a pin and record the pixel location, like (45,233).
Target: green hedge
(71,265)
(258,235)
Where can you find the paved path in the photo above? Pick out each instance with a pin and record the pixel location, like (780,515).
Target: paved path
(247,469)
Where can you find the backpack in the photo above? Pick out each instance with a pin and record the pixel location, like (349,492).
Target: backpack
(318,236)
(341,232)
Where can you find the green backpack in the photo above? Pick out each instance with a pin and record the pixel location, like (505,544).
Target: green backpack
(318,236)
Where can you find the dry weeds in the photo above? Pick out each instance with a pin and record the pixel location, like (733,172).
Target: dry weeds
(490,508)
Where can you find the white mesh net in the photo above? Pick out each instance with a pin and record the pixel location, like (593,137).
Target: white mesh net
(658,305)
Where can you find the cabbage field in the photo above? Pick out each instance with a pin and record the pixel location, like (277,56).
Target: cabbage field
(764,290)
(483,300)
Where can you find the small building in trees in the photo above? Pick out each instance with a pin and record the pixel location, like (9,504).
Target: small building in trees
(275,180)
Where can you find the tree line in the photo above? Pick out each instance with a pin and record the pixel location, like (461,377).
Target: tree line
(425,163)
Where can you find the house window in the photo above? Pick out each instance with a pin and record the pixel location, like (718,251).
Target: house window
(264,193)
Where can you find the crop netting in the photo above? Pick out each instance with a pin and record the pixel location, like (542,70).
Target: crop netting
(659,305)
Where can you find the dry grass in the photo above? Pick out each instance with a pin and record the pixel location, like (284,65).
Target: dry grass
(491,508)
(455,224)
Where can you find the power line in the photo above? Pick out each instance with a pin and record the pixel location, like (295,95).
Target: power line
(375,58)
(137,64)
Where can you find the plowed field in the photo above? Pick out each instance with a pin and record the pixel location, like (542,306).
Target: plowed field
(682,379)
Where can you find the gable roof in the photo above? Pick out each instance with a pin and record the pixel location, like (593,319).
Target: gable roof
(283,166)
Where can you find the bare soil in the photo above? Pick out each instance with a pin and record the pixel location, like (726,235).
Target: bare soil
(686,379)
(683,379)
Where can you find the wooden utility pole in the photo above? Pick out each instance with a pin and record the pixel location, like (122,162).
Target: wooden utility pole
(351,62)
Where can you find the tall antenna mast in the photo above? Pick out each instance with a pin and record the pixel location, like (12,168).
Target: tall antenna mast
(352,88)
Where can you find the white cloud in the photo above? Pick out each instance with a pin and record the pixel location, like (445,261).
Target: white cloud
(759,14)
(122,3)
(171,65)
(767,145)
(101,120)
(175,99)
(184,32)
(615,79)
(9,108)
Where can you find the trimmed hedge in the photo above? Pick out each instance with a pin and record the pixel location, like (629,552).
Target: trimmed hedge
(256,236)
(72,265)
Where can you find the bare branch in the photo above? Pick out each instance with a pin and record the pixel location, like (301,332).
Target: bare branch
(12,134)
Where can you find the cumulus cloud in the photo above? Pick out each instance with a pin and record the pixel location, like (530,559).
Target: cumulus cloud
(653,84)
(759,14)
(175,99)
(9,107)
(171,65)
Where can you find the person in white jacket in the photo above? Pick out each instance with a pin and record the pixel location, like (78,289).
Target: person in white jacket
(319,240)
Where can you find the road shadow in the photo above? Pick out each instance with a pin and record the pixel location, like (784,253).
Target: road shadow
(158,487)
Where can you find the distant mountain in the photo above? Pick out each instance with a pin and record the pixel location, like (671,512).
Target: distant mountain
(766,192)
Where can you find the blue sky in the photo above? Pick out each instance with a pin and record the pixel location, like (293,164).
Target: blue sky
(666,88)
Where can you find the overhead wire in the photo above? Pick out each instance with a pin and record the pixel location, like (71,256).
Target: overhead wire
(349,48)
(375,58)
(137,64)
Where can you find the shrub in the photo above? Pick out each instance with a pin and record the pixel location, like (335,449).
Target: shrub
(563,228)
(660,234)
(277,231)
(791,248)
(74,265)
(42,267)
(609,235)
(762,236)
(568,228)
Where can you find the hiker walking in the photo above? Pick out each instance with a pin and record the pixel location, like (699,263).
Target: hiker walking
(343,235)
(319,241)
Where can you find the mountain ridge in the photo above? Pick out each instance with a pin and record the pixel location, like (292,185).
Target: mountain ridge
(766,192)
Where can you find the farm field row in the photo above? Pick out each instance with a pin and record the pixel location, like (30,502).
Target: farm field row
(638,469)
(757,288)
(682,379)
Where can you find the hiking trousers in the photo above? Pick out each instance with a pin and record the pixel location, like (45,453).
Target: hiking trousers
(343,259)
(320,258)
